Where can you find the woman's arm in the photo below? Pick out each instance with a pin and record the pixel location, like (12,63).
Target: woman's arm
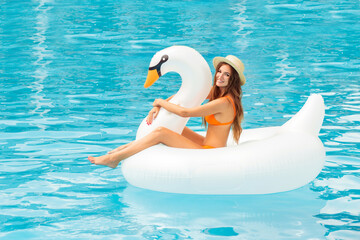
(213,107)
(154,112)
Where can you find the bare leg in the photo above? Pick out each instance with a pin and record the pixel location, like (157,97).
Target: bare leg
(193,136)
(119,148)
(160,135)
(187,132)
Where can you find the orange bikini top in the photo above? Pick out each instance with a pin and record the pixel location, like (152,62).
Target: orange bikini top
(210,119)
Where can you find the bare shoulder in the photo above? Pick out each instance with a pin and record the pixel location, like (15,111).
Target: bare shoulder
(219,102)
(224,100)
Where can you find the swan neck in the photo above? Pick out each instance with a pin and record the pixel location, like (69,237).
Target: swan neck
(188,77)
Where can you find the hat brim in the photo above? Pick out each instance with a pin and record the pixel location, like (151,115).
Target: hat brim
(218,60)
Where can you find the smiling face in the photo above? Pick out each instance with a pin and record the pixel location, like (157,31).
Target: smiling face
(222,76)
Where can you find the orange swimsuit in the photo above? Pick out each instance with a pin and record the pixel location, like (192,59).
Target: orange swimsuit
(210,119)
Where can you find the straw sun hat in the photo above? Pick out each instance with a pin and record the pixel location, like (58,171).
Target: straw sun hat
(235,63)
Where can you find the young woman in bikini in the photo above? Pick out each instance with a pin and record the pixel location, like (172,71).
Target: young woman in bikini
(223,111)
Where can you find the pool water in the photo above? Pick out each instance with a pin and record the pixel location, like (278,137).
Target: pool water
(71,84)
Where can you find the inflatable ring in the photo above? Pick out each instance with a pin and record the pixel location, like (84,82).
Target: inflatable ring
(266,160)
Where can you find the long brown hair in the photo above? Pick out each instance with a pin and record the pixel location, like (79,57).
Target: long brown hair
(234,90)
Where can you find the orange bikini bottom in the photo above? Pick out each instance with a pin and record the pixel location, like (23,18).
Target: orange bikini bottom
(207,147)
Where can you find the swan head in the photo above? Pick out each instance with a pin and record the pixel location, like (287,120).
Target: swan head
(155,68)
(181,59)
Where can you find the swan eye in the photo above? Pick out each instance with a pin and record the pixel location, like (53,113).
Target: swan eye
(164,58)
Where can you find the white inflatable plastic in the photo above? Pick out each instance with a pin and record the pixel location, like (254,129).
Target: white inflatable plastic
(266,160)
(196,84)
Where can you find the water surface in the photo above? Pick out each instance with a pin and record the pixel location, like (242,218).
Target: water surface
(71,82)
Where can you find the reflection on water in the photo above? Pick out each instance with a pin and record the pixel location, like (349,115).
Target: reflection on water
(242,25)
(42,104)
(279,215)
(288,73)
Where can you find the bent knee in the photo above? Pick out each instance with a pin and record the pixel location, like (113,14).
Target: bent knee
(161,130)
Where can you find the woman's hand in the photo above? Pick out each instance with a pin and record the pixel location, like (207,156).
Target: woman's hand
(155,111)
(152,115)
(158,102)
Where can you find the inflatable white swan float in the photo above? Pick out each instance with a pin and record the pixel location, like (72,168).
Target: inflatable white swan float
(266,160)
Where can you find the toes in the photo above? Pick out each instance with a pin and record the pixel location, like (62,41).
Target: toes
(91,159)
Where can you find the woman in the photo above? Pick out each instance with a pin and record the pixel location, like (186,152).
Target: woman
(223,111)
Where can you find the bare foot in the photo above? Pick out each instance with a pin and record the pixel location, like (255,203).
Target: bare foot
(105,160)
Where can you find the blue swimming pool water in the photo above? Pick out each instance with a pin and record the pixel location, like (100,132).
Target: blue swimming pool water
(71,84)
